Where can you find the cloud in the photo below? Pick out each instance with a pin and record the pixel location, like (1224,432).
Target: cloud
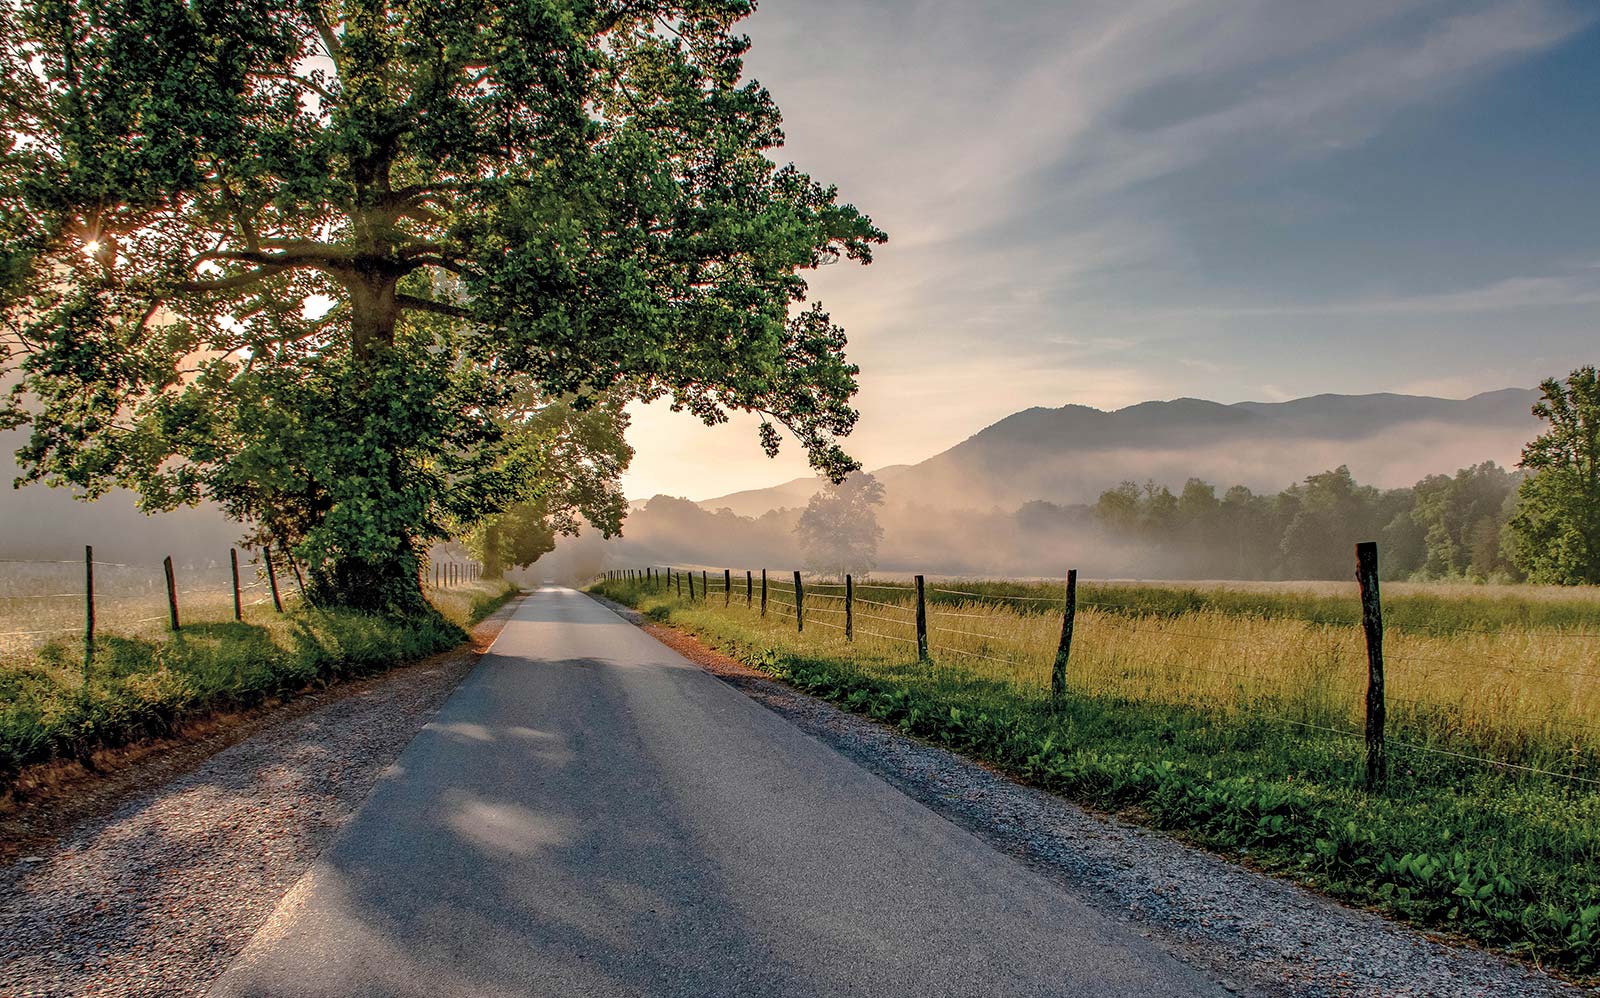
(1033,164)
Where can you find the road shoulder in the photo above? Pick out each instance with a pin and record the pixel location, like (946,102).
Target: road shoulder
(157,882)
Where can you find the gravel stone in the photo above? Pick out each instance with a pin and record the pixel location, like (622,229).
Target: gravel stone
(1260,934)
(157,897)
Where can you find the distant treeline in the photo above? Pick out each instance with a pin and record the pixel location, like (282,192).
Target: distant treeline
(1443,527)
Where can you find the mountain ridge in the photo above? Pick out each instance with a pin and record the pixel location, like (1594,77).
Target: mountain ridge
(1044,453)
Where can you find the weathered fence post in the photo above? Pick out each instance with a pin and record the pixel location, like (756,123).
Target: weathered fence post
(799,603)
(922,623)
(749,589)
(849,608)
(1372,623)
(680,585)
(233,563)
(299,580)
(88,608)
(1058,675)
(763,592)
(705,587)
(272,579)
(691,587)
(172,591)
(727,587)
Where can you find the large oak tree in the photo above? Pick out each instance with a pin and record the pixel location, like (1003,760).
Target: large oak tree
(304,257)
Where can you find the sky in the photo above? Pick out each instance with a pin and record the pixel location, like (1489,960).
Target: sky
(1109,202)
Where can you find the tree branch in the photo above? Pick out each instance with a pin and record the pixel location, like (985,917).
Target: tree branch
(245,280)
(427,305)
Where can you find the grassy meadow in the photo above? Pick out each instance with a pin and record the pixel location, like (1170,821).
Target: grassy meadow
(145,681)
(1233,717)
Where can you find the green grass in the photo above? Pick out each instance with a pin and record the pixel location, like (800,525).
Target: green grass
(1424,607)
(1510,860)
(147,687)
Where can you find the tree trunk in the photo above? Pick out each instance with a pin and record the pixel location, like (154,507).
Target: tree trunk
(493,566)
(374,313)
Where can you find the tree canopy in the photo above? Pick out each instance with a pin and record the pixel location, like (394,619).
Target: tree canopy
(1555,531)
(839,530)
(315,260)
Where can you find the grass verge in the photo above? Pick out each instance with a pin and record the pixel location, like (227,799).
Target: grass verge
(52,709)
(1509,860)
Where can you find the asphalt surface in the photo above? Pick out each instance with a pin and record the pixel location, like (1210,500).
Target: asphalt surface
(591,814)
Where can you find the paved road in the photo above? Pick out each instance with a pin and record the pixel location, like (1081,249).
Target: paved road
(590,814)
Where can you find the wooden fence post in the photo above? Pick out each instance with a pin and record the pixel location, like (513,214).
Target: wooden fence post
(922,624)
(680,584)
(272,579)
(691,587)
(299,580)
(233,563)
(749,589)
(705,589)
(799,603)
(1372,623)
(727,587)
(763,592)
(1058,675)
(172,591)
(849,608)
(88,608)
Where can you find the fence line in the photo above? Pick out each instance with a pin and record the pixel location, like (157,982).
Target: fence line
(929,616)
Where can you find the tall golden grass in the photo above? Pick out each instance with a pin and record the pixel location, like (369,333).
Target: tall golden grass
(1516,694)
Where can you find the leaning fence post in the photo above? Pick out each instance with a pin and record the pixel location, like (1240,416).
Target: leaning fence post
(88,608)
(1058,675)
(727,587)
(1372,623)
(299,580)
(763,592)
(272,578)
(922,624)
(749,588)
(233,563)
(849,608)
(705,587)
(799,603)
(172,591)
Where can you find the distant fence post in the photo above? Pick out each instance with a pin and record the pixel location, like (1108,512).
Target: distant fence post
(705,588)
(849,608)
(763,592)
(1058,675)
(749,589)
(272,578)
(172,591)
(233,563)
(1372,623)
(88,608)
(680,584)
(691,587)
(922,623)
(799,603)
(727,587)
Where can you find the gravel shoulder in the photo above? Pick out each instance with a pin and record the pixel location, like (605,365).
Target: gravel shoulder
(1260,934)
(176,861)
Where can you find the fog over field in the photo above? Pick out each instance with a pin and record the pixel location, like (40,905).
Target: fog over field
(1019,498)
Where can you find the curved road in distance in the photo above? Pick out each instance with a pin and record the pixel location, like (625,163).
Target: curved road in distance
(592,814)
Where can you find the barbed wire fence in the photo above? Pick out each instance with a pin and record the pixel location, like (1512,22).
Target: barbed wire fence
(90,598)
(942,626)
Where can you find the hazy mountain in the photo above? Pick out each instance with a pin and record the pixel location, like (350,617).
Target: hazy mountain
(1073,453)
